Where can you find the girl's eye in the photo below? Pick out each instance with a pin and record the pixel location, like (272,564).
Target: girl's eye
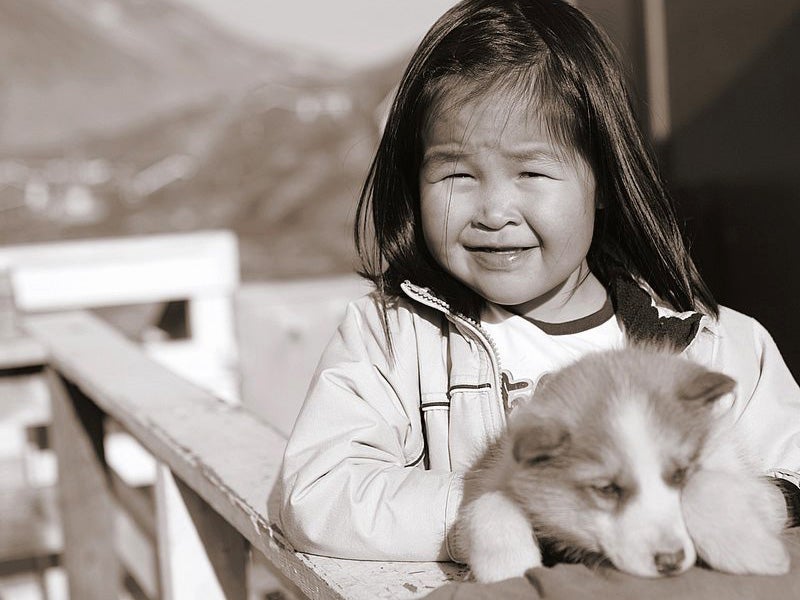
(532,174)
(458,176)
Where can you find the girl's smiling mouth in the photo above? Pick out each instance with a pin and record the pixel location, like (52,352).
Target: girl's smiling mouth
(499,249)
(499,258)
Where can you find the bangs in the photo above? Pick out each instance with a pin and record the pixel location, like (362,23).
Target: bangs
(532,90)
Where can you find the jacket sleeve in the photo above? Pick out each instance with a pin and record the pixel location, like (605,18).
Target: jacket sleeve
(352,480)
(771,414)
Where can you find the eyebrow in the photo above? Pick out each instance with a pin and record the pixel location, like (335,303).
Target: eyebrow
(535,154)
(446,155)
(443,156)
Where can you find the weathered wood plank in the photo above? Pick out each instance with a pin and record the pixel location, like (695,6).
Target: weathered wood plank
(21,351)
(201,554)
(225,454)
(30,531)
(85,500)
(137,553)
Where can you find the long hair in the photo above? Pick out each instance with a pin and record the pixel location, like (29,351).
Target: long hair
(569,69)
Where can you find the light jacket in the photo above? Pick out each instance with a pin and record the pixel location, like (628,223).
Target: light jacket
(372,468)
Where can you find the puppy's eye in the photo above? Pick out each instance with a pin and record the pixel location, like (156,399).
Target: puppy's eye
(678,476)
(610,491)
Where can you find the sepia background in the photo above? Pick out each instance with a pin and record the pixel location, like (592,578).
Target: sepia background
(123,118)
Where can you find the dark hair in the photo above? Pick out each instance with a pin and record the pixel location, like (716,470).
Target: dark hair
(550,51)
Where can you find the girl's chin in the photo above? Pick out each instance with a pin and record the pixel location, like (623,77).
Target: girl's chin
(512,301)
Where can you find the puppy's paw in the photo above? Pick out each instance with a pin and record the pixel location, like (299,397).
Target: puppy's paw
(497,538)
(735,524)
(491,564)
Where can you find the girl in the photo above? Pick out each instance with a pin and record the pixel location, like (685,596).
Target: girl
(512,220)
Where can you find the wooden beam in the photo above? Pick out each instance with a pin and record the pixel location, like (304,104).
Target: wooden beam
(125,270)
(137,553)
(21,352)
(228,457)
(85,500)
(200,554)
(657,60)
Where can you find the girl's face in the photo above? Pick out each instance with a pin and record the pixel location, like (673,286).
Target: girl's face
(507,211)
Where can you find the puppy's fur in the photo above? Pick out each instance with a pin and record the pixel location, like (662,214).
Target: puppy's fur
(625,456)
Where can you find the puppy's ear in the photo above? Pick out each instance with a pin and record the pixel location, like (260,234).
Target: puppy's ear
(706,387)
(537,443)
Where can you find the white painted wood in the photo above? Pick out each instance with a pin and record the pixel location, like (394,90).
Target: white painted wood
(126,270)
(200,555)
(283,327)
(201,267)
(136,552)
(21,351)
(226,455)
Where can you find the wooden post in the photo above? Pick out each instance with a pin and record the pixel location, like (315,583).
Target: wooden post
(85,499)
(200,553)
(656,56)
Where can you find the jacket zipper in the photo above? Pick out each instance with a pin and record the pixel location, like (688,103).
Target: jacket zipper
(424,296)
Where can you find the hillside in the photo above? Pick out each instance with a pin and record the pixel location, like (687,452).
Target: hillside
(75,68)
(271,145)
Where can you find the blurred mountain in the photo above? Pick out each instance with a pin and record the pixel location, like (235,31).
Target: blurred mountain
(73,68)
(138,116)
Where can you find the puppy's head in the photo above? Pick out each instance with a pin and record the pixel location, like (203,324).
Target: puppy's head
(601,454)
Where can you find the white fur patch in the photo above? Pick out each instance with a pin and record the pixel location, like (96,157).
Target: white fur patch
(507,547)
(651,523)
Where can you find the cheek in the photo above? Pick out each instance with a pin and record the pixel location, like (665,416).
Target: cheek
(433,213)
(442,221)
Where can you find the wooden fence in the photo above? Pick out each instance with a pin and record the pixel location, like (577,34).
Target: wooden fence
(188,527)
(224,459)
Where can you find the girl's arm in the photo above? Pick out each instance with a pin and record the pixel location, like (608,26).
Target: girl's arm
(771,417)
(353,485)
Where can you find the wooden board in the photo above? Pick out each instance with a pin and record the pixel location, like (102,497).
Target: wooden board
(85,499)
(226,455)
(30,530)
(21,352)
(124,270)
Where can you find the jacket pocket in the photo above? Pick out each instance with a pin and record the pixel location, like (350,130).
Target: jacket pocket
(471,422)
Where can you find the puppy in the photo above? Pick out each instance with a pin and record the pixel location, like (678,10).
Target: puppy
(622,456)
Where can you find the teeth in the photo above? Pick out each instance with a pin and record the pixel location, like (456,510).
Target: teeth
(500,249)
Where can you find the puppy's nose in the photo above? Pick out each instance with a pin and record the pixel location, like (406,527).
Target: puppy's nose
(669,563)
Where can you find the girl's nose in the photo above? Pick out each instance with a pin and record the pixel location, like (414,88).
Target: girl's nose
(497,209)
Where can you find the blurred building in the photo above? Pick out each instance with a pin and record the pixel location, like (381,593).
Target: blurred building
(719,91)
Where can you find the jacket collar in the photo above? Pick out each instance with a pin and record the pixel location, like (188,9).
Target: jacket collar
(643,315)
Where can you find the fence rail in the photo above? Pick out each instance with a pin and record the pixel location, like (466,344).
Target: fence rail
(224,461)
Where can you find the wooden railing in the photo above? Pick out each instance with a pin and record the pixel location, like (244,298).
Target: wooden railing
(223,459)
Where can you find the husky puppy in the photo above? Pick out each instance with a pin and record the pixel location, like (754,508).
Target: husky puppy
(625,456)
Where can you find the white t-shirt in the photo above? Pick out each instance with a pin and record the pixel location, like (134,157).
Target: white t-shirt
(528,349)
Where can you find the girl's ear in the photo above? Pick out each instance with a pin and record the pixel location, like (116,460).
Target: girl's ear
(539,442)
(706,387)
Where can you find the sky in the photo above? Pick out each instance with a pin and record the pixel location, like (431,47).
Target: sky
(356,33)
